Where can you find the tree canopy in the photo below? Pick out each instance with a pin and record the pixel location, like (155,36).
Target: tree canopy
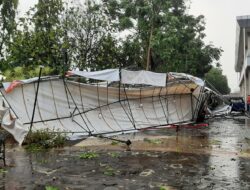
(137,34)
(217,80)
(7,22)
(168,38)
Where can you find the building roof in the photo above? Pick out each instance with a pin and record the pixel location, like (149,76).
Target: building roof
(242,22)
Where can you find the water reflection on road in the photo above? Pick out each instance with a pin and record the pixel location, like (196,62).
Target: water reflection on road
(213,157)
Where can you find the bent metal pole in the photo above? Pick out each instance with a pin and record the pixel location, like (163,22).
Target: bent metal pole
(34,107)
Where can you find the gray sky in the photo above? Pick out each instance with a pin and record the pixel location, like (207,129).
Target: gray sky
(220,17)
(221,29)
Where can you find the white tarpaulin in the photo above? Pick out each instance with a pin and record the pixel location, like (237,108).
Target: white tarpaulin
(12,125)
(143,77)
(85,109)
(127,77)
(107,75)
(9,86)
(196,80)
(135,77)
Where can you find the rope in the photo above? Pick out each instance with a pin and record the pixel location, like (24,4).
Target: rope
(110,109)
(80,90)
(154,106)
(25,106)
(133,121)
(98,98)
(174,97)
(78,110)
(142,107)
(64,84)
(53,95)
(162,105)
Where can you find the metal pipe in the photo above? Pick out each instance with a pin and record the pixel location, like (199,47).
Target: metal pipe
(120,78)
(34,107)
(245,67)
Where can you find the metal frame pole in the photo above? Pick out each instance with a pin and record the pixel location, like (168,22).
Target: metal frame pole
(120,79)
(191,101)
(37,89)
(245,68)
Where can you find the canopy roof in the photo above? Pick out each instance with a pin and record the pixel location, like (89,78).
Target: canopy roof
(87,109)
(136,77)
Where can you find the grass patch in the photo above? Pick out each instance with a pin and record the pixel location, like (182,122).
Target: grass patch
(43,161)
(164,188)
(109,171)
(114,154)
(51,188)
(153,141)
(215,142)
(88,155)
(34,148)
(44,139)
(114,143)
(3,171)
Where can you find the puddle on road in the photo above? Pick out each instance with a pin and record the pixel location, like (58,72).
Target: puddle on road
(205,158)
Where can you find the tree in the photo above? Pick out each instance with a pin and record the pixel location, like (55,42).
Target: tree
(89,36)
(52,33)
(107,55)
(167,37)
(7,22)
(48,32)
(38,38)
(217,80)
(161,37)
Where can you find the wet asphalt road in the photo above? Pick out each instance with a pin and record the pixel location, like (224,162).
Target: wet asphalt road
(209,157)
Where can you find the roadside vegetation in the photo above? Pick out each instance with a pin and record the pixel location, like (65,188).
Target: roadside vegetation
(43,140)
(157,35)
(51,188)
(215,79)
(88,155)
(153,141)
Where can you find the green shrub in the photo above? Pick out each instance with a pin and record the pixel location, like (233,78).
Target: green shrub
(44,139)
(3,171)
(153,141)
(19,73)
(109,171)
(114,143)
(51,188)
(88,155)
(114,154)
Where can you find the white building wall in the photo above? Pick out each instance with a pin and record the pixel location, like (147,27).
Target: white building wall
(248,82)
(242,89)
(245,85)
(242,57)
(248,45)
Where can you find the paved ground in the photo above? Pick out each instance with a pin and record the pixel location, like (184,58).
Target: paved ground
(210,157)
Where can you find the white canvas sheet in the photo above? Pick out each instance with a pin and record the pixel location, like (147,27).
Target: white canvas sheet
(12,125)
(143,77)
(107,75)
(127,77)
(196,80)
(26,81)
(82,109)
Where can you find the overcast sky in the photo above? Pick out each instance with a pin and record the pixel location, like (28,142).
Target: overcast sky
(220,17)
(221,29)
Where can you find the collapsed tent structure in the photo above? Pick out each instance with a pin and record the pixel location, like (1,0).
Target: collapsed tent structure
(126,101)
